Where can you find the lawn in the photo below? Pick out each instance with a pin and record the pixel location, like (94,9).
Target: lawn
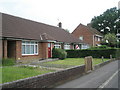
(12,73)
(74,61)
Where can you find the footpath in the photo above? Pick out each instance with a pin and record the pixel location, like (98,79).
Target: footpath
(96,78)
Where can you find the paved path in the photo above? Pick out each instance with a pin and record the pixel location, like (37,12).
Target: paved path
(95,78)
(113,82)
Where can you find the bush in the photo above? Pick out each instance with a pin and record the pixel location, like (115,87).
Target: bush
(8,62)
(59,53)
(97,53)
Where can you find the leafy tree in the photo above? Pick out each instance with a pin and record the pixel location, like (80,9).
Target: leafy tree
(110,40)
(108,22)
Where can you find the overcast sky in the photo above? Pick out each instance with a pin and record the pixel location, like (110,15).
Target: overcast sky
(70,12)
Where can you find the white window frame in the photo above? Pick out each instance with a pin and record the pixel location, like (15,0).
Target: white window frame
(30,43)
(98,38)
(57,45)
(81,38)
(67,46)
(85,46)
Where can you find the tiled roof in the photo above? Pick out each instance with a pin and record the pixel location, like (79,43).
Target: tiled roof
(94,31)
(16,27)
(89,28)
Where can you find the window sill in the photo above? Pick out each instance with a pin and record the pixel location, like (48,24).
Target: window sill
(29,55)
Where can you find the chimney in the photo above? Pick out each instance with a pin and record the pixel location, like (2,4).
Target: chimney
(60,24)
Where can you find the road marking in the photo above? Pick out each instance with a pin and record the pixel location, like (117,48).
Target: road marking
(106,82)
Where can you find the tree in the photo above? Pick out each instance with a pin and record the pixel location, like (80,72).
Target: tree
(110,40)
(108,22)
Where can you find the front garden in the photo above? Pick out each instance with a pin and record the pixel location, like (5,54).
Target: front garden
(75,61)
(70,62)
(11,72)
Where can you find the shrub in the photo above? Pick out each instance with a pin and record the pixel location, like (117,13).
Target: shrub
(8,62)
(62,54)
(97,53)
(59,53)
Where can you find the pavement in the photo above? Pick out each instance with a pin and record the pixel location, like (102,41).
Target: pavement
(39,63)
(113,81)
(105,77)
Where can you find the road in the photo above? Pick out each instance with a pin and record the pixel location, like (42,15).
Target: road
(106,76)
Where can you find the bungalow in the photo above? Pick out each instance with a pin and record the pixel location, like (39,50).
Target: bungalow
(88,35)
(24,39)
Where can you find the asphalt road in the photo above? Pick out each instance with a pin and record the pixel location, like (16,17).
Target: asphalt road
(97,78)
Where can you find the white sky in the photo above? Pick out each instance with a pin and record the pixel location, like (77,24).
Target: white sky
(70,12)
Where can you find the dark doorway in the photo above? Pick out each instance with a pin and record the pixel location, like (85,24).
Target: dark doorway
(11,49)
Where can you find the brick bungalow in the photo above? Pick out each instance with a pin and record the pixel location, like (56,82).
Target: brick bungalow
(24,39)
(88,35)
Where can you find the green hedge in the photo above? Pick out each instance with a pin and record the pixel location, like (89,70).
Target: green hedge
(94,53)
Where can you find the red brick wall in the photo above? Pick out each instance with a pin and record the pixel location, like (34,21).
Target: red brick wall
(1,50)
(42,53)
(18,50)
(82,30)
(44,50)
(4,48)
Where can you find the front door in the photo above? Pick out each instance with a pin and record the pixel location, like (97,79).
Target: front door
(49,50)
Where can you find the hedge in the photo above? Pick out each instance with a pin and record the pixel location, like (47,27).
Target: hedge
(94,53)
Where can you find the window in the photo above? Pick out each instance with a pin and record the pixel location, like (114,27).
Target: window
(85,46)
(57,45)
(29,48)
(98,39)
(81,38)
(67,46)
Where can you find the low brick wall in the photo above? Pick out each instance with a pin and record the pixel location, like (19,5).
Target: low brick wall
(102,64)
(46,80)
